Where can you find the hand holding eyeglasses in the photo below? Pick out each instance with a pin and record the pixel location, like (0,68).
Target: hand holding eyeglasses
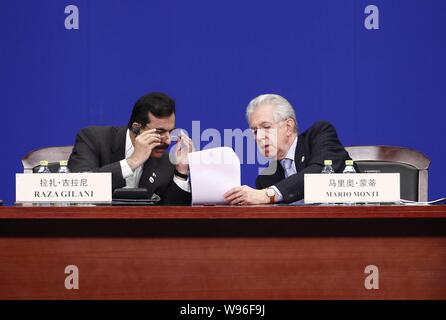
(183,148)
(143,145)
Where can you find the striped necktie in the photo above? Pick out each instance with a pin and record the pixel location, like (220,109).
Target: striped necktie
(287,165)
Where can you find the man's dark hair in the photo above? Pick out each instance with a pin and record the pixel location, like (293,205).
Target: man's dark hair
(157,103)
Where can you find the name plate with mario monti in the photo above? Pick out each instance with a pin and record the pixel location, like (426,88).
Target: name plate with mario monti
(352,187)
(63,187)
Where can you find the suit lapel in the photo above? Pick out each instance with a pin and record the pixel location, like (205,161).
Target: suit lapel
(299,155)
(150,177)
(118,144)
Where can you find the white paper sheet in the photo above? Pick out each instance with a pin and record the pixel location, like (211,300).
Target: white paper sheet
(213,172)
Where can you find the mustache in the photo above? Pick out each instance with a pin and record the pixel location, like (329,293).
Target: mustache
(163,146)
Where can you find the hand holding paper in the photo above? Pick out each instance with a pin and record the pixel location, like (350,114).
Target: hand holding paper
(245,195)
(213,172)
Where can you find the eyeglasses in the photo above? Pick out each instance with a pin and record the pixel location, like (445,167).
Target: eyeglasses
(162,132)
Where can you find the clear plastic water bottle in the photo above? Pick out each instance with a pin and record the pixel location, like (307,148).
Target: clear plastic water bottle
(328,167)
(63,167)
(349,168)
(43,167)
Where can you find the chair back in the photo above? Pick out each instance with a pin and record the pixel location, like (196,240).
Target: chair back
(411,164)
(31,162)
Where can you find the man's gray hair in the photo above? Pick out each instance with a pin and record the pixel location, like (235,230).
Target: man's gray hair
(282,108)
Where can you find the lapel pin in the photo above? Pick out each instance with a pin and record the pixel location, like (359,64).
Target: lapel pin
(303,159)
(151,180)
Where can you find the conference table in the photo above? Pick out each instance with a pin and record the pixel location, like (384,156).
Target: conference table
(223,252)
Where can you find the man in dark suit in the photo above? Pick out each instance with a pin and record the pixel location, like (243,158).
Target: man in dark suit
(273,122)
(136,155)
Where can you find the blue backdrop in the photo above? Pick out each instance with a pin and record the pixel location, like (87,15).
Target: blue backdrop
(382,86)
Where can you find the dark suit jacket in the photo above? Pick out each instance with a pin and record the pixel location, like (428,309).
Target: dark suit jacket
(100,149)
(318,143)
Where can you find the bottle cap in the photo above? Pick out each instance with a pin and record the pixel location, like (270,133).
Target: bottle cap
(43,163)
(328,162)
(348,162)
(63,163)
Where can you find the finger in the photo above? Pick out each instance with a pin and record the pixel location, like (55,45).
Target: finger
(151,143)
(237,200)
(238,196)
(231,191)
(150,140)
(149,135)
(147,132)
(154,144)
(180,143)
(179,149)
(191,146)
(234,196)
(231,197)
(185,138)
(231,200)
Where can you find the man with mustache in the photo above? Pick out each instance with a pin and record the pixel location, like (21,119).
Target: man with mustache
(136,155)
(273,122)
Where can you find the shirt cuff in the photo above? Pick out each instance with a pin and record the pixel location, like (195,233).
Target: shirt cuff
(279,194)
(183,184)
(125,169)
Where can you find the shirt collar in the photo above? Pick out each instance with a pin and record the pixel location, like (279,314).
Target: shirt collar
(128,145)
(292,151)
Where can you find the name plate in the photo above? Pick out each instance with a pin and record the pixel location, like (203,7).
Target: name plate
(63,187)
(353,187)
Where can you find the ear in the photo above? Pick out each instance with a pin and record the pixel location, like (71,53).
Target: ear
(290,125)
(136,128)
(136,125)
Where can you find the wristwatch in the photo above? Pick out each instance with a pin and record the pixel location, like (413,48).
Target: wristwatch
(271,193)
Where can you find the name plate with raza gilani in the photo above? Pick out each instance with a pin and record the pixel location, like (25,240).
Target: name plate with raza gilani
(353,187)
(63,187)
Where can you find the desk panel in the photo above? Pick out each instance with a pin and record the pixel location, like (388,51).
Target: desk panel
(268,252)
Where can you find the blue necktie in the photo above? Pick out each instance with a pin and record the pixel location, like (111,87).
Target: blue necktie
(287,165)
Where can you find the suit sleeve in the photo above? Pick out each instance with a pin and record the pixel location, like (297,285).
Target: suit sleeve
(324,144)
(174,195)
(86,158)
(259,184)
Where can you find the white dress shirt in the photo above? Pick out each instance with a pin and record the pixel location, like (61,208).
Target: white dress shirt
(132,177)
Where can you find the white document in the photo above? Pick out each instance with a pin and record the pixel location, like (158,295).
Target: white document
(346,188)
(84,187)
(213,172)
